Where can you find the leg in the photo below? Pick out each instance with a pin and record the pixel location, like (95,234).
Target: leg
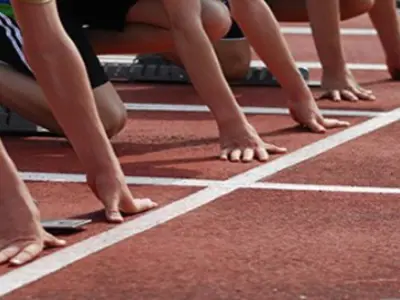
(148,29)
(234,57)
(384,17)
(233,52)
(23,95)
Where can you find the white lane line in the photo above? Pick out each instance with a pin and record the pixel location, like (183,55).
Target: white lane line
(258,63)
(317,65)
(246,109)
(131,180)
(343,31)
(324,188)
(60,259)
(168,181)
(315,149)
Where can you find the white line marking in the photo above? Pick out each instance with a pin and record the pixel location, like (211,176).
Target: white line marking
(317,65)
(257,63)
(60,259)
(313,150)
(131,180)
(168,181)
(246,109)
(343,31)
(324,188)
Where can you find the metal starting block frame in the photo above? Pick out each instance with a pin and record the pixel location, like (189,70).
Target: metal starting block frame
(156,70)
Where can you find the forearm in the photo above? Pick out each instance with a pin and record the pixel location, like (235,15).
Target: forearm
(325,23)
(12,187)
(200,60)
(60,72)
(385,19)
(263,32)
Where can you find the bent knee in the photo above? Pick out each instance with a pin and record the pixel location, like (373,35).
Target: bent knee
(352,8)
(115,120)
(216,19)
(111,109)
(234,57)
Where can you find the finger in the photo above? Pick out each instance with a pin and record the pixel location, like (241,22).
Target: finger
(365,91)
(235,155)
(275,149)
(112,212)
(314,126)
(336,96)
(139,205)
(248,155)
(27,254)
(364,94)
(261,154)
(225,154)
(52,241)
(114,216)
(7,253)
(348,95)
(333,123)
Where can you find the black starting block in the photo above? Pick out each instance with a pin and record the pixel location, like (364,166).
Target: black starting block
(154,69)
(13,124)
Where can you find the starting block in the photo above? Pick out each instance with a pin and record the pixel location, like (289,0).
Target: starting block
(154,69)
(13,124)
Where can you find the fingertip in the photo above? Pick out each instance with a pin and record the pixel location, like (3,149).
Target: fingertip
(223,156)
(61,242)
(114,217)
(16,262)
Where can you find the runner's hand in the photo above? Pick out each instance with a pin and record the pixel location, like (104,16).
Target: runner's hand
(242,143)
(342,85)
(307,114)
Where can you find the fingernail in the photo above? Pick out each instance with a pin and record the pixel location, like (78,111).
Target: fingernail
(15,261)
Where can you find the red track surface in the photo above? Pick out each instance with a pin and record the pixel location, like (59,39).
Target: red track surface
(248,244)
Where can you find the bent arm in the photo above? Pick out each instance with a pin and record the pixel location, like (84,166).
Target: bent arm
(61,74)
(325,23)
(200,60)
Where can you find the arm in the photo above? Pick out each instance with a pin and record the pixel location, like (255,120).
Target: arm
(238,139)
(337,79)
(200,60)
(263,32)
(21,236)
(324,20)
(61,74)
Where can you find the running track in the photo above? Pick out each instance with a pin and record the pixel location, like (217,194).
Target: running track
(321,222)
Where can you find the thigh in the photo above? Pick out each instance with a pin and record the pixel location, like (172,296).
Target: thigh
(149,12)
(152,12)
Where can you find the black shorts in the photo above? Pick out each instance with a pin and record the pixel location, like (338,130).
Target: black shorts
(74,18)
(104,15)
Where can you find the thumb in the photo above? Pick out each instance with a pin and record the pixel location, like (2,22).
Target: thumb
(112,212)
